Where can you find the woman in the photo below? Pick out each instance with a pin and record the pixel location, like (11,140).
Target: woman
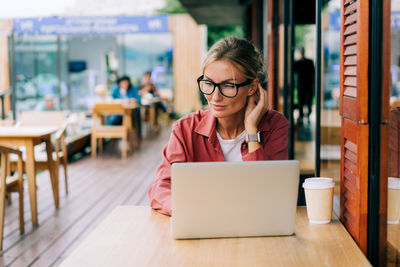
(125,90)
(237,126)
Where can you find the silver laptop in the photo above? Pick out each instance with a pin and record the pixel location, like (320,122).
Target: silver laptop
(229,199)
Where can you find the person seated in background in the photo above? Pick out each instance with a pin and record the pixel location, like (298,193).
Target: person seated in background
(100,95)
(238,126)
(125,90)
(48,104)
(148,88)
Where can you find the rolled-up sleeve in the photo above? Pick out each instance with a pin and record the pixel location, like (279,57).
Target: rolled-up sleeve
(160,191)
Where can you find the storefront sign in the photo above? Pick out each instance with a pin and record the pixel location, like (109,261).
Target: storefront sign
(92,25)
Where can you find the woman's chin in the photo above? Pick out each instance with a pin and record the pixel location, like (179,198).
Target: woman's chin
(220,114)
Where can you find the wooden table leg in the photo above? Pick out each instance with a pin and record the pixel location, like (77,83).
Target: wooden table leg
(136,125)
(52,170)
(31,177)
(3,189)
(128,119)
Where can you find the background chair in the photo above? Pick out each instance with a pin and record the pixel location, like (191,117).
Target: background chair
(100,130)
(10,184)
(60,155)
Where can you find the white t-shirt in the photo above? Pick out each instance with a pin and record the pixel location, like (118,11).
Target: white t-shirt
(232,148)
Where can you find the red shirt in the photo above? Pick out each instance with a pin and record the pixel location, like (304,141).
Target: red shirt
(194,139)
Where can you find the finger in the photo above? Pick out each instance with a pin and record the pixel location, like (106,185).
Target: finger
(251,102)
(262,95)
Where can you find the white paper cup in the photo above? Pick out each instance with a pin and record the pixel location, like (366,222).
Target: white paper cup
(319,199)
(393,212)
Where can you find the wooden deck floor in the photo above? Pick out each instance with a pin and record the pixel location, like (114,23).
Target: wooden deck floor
(96,187)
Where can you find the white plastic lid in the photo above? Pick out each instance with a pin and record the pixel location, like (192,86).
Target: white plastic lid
(394,183)
(318,183)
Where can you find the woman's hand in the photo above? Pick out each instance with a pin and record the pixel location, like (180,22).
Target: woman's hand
(257,106)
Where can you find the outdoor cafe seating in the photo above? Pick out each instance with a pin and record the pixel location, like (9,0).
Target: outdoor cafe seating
(100,128)
(47,118)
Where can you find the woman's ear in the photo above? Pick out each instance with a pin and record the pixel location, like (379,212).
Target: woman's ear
(253,87)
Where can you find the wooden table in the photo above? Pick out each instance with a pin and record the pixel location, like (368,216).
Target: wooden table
(139,236)
(28,137)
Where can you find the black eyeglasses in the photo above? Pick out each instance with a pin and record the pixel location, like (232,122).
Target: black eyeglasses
(227,89)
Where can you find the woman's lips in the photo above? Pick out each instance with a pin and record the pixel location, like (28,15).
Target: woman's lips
(218,107)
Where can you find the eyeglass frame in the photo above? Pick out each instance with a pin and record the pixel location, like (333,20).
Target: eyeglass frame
(247,82)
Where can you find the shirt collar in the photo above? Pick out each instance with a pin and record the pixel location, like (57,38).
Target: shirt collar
(207,124)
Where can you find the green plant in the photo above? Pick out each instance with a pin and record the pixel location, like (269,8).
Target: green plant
(215,33)
(172,7)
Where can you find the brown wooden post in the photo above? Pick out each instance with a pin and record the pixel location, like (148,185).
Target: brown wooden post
(5,29)
(354,111)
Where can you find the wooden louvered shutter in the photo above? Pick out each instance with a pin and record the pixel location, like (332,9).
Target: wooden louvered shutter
(354,112)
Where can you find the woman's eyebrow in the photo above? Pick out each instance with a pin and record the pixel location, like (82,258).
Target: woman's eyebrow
(227,80)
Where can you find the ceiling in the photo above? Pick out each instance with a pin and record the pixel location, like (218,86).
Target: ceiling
(212,12)
(232,12)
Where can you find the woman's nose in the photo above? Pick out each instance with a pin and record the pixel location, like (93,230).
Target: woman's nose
(217,94)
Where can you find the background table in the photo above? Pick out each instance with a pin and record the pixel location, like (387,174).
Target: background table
(139,236)
(29,137)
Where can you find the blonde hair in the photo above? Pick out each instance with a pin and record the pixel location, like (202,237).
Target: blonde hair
(239,52)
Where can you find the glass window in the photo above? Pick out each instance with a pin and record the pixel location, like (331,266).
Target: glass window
(393,227)
(330,102)
(149,52)
(36,72)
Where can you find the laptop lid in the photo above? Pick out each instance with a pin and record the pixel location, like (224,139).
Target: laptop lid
(233,199)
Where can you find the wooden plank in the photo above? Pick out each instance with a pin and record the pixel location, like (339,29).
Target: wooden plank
(351,8)
(350,204)
(350,60)
(350,91)
(351,146)
(350,222)
(350,181)
(350,39)
(350,110)
(350,166)
(363,61)
(350,50)
(351,29)
(188,39)
(350,71)
(351,156)
(348,1)
(6,26)
(350,19)
(139,236)
(350,81)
